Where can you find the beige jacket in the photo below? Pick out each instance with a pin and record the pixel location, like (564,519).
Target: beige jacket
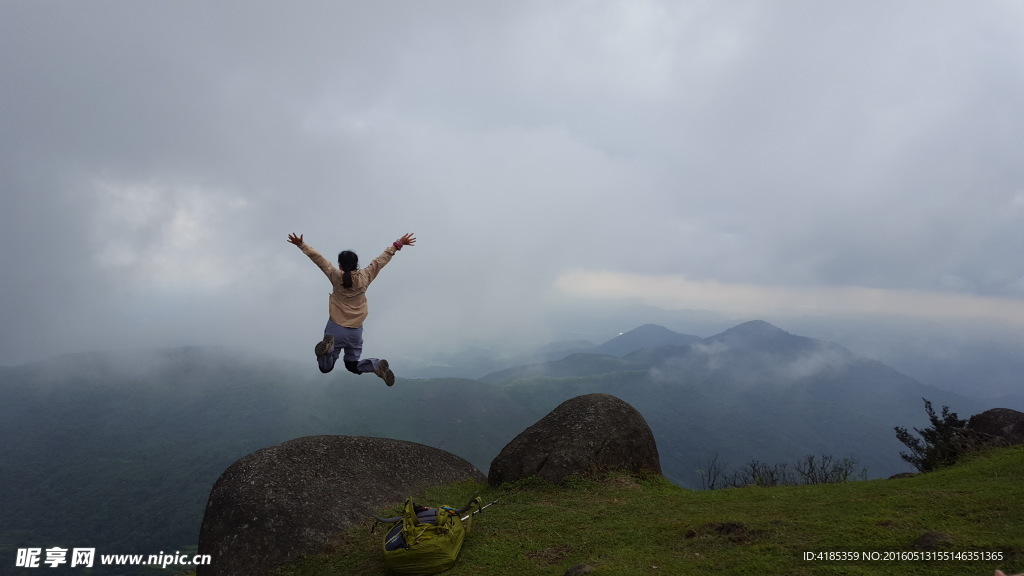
(348,306)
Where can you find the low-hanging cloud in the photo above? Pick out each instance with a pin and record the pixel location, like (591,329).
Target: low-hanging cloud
(716,357)
(677,292)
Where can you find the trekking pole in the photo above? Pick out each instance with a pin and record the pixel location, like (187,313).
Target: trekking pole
(477,511)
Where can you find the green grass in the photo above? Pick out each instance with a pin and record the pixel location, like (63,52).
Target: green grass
(625,526)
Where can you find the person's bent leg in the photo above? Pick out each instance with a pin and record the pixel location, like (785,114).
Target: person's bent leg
(372,365)
(329,349)
(325,346)
(327,361)
(366,365)
(352,340)
(378,366)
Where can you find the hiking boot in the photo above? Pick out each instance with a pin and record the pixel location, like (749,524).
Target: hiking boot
(325,346)
(384,372)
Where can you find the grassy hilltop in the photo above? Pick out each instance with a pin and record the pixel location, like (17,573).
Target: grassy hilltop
(623,526)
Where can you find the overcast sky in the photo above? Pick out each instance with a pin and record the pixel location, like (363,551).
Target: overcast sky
(748,157)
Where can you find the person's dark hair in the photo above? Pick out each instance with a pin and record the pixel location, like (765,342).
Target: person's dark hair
(347,261)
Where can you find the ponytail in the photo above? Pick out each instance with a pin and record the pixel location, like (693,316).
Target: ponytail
(347,261)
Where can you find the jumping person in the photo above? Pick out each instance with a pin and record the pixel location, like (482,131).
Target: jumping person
(348,308)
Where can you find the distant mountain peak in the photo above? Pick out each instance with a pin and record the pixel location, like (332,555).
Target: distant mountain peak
(650,329)
(757,328)
(760,334)
(645,336)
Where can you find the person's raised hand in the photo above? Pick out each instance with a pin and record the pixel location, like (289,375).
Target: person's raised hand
(297,240)
(407,240)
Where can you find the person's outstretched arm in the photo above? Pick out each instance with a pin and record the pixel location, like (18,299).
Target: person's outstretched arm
(317,258)
(380,261)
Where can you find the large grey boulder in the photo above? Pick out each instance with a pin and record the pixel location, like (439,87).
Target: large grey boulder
(583,436)
(289,500)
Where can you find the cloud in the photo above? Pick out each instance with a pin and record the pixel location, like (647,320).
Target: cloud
(166,237)
(778,155)
(718,358)
(678,292)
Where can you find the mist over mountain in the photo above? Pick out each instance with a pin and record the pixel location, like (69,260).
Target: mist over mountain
(752,392)
(982,361)
(119,450)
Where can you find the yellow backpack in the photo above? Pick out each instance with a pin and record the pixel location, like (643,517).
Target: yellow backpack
(425,540)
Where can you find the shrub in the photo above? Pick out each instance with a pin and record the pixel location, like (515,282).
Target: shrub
(941,444)
(810,469)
